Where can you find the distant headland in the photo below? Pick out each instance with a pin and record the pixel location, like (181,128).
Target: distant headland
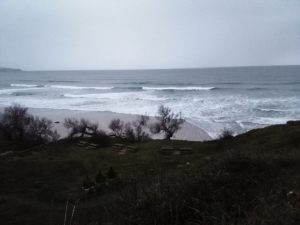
(3,69)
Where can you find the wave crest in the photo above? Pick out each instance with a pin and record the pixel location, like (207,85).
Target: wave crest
(190,88)
(79,87)
(26,85)
(117,96)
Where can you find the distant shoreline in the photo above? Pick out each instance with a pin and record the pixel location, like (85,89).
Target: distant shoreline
(10,70)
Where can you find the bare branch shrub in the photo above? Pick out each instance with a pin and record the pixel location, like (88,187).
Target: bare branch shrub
(134,131)
(118,128)
(129,134)
(80,128)
(40,129)
(168,122)
(139,126)
(226,134)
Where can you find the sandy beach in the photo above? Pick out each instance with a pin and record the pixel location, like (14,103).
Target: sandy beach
(188,132)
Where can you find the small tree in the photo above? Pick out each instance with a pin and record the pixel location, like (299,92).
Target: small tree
(14,123)
(118,128)
(168,122)
(80,127)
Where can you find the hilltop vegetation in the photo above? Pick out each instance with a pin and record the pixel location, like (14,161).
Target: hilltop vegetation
(249,179)
(23,130)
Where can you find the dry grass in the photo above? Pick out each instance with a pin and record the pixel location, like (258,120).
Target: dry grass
(251,179)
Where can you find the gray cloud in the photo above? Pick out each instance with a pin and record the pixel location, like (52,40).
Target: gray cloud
(122,34)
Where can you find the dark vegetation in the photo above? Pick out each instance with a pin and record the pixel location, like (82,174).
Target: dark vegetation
(79,129)
(25,130)
(168,122)
(226,135)
(249,179)
(132,132)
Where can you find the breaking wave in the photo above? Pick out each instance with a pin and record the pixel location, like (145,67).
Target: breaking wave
(26,85)
(79,87)
(126,96)
(190,88)
(146,88)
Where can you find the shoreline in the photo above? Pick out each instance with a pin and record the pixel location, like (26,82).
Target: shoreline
(188,132)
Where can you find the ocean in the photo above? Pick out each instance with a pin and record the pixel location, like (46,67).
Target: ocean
(238,98)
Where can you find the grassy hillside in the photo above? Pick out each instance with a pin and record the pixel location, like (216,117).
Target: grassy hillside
(250,179)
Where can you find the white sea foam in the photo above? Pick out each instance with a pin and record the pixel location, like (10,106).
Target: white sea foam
(272,120)
(189,88)
(72,87)
(14,90)
(25,85)
(7,91)
(271,110)
(124,96)
(79,87)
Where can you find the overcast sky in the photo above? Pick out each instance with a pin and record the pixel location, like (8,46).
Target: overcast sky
(124,34)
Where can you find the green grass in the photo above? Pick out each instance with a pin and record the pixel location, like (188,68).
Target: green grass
(240,181)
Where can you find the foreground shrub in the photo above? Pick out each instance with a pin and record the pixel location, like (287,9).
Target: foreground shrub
(238,190)
(19,126)
(226,134)
(168,122)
